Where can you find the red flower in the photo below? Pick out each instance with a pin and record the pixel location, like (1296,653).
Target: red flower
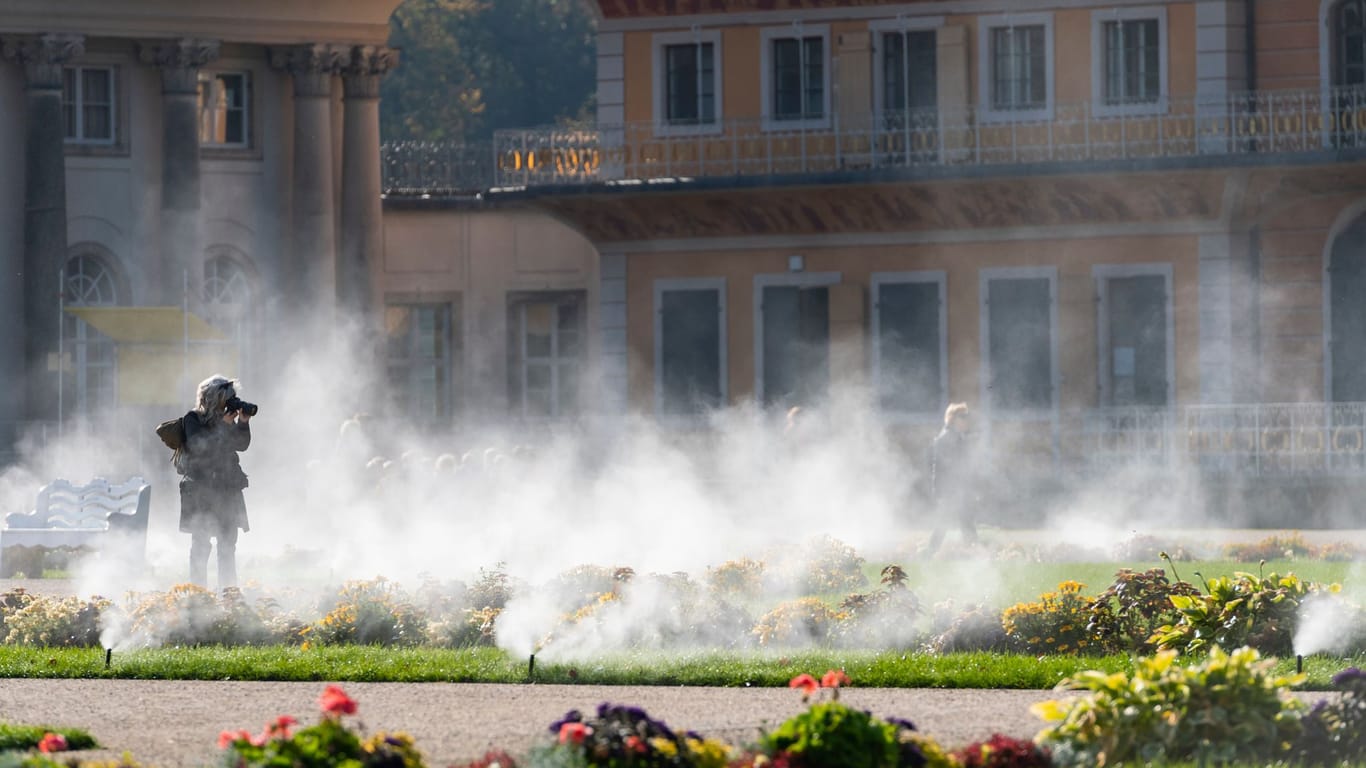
(280,726)
(334,701)
(228,738)
(52,742)
(574,732)
(834,679)
(806,683)
(637,744)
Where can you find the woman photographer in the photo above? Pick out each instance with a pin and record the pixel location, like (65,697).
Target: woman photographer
(211,503)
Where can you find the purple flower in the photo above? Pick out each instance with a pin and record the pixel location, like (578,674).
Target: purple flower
(572,716)
(1349,677)
(901,723)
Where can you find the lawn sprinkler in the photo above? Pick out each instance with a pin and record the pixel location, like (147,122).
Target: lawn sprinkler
(1299,663)
(108,657)
(531,668)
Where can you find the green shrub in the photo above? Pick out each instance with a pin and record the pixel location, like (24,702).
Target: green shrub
(736,580)
(1124,617)
(882,618)
(375,612)
(1227,707)
(1056,623)
(1242,609)
(56,622)
(976,628)
(829,734)
(795,622)
(1276,547)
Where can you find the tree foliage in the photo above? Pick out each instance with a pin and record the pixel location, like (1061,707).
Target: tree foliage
(470,67)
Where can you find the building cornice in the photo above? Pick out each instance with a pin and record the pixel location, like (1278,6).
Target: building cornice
(270,22)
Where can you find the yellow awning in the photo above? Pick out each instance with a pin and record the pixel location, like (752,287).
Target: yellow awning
(148,325)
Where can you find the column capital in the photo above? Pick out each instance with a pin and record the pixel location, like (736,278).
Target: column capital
(312,66)
(365,69)
(179,61)
(42,56)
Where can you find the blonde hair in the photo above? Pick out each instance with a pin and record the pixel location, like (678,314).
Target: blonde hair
(213,395)
(954,411)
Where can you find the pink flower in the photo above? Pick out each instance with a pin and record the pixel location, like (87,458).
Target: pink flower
(52,742)
(637,744)
(280,726)
(574,732)
(334,701)
(806,683)
(834,679)
(228,738)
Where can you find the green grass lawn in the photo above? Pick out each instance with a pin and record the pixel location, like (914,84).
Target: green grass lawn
(487,665)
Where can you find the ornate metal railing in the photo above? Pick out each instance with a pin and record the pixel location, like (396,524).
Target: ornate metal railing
(1263,122)
(412,168)
(1251,439)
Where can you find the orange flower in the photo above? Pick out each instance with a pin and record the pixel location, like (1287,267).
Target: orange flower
(52,742)
(228,738)
(334,701)
(574,732)
(280,726)
(834,679)
(637,744)
(806,683)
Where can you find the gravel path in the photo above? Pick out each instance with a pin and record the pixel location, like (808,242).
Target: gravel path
(166,723)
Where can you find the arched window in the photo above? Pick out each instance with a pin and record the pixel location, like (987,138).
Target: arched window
(89,359)
(228,300)
(1349,43)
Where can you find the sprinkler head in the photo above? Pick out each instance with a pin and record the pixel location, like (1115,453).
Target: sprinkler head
(108,657)
(531,668)
(1299,663)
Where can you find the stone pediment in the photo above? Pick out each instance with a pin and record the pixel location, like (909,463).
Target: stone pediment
(999,203)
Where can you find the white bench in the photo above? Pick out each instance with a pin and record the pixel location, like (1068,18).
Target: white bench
(100,515)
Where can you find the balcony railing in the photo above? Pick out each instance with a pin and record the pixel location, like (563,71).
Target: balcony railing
(414,168)
(1260,122)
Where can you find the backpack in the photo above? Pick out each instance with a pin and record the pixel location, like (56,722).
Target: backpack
(172,433)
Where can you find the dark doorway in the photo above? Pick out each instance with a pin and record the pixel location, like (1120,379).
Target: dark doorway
(1136,313)
(1347,299)
(796,344)
(690,350)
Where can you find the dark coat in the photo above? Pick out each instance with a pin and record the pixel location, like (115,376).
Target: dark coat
(949,468)
(211,490)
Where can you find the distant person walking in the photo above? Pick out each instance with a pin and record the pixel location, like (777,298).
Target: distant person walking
(212,508)
(951,476)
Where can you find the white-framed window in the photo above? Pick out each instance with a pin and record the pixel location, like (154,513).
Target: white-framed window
(225,109)
(228,301)
(546,353)
(1345,28)
(792,333)
(1015,61)
(1019,341)
(795,76)
(905,69)
(688,82)
(1129,60)
(89,105)
(90,357)
(910,343)
(1135,338)
(690,346)
(423,346)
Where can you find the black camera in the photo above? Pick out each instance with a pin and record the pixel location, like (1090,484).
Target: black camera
(236,404)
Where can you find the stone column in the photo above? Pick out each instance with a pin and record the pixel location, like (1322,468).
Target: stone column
(362,236)
(45,254)
(307,272)
(180,238)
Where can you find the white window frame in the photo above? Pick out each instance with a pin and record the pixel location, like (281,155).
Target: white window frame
(1101,274)
(1099,19)
(246,75)
(560,410)
(77,106)
(661,41)
(773,280)
(985,277)
(986,72)
(451,360)
(940,279)
(881,27)
(796,30)
(665,285)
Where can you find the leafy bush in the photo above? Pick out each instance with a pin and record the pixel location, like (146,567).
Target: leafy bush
(795,622)
(1243,609)
(1056,623)
(493,589)
(329,743)
(826,566)
(471,628)
(619,736)
(882,618)
(64,622)
(1227,707)
(830,734)
(1334,731)
(976,628)
(1129,612)
(736,580)
(1276,547)
(372,612)
(1003,752)
(585,582)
